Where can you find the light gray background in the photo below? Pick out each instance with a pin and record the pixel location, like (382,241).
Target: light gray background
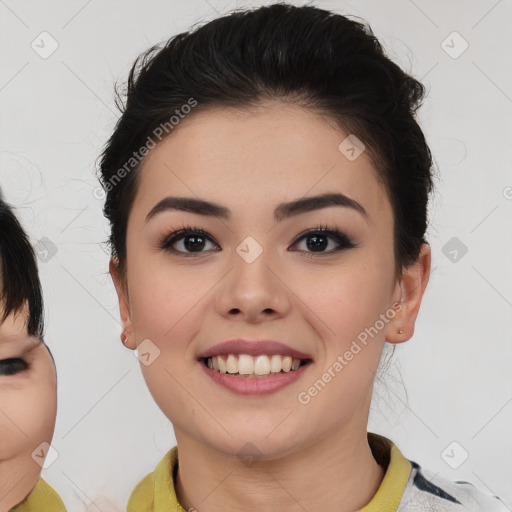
(57,112)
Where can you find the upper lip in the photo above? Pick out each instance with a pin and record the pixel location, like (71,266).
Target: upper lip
(253,348)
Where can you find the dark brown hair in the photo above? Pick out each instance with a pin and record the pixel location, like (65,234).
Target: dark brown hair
(305,55)
(19,278)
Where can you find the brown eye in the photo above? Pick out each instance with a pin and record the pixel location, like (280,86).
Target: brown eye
(12,366)
(193,240)
(317,240)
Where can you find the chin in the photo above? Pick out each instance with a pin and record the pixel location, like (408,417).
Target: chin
(253,444)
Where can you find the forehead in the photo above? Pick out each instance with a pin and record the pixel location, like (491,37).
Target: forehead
(258,157)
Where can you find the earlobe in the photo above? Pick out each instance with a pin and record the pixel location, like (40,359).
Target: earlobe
(124,305)
(410,290)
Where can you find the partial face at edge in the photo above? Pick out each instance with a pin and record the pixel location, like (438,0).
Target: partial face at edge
(300,290)
(28,394)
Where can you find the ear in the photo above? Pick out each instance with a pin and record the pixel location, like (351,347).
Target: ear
(124,304)
(408,294)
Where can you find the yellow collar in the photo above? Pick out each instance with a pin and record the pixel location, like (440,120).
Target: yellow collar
(42,497)
(390,492)
(156,492)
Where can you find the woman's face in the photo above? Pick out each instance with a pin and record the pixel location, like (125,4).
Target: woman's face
(28,403)
(253,276)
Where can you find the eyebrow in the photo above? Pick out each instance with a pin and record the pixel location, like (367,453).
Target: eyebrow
(11,339)
(282,211)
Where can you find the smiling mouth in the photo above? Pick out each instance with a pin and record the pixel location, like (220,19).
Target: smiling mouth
(245,365)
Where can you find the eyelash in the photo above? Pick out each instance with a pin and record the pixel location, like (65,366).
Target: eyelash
(7,366)
(335,233)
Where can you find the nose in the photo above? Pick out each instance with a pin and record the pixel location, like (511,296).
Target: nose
(253,292)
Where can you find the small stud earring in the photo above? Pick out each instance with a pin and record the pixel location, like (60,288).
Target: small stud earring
(400,331)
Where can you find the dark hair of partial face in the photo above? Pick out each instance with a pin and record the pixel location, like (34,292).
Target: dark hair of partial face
(19,278)
(306,56)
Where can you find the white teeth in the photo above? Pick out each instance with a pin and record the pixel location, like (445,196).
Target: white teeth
(244,364)
(222,364)
(232,364)
(262,365)
(275,364)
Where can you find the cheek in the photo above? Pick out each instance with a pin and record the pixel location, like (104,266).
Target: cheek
(348,300)
(29,417)
(166,309)
(164,298)
(345,307)
(169,307)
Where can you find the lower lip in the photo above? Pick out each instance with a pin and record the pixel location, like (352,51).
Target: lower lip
(254,385)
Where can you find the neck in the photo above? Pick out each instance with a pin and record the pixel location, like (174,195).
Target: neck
(334,474)
(17,479)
